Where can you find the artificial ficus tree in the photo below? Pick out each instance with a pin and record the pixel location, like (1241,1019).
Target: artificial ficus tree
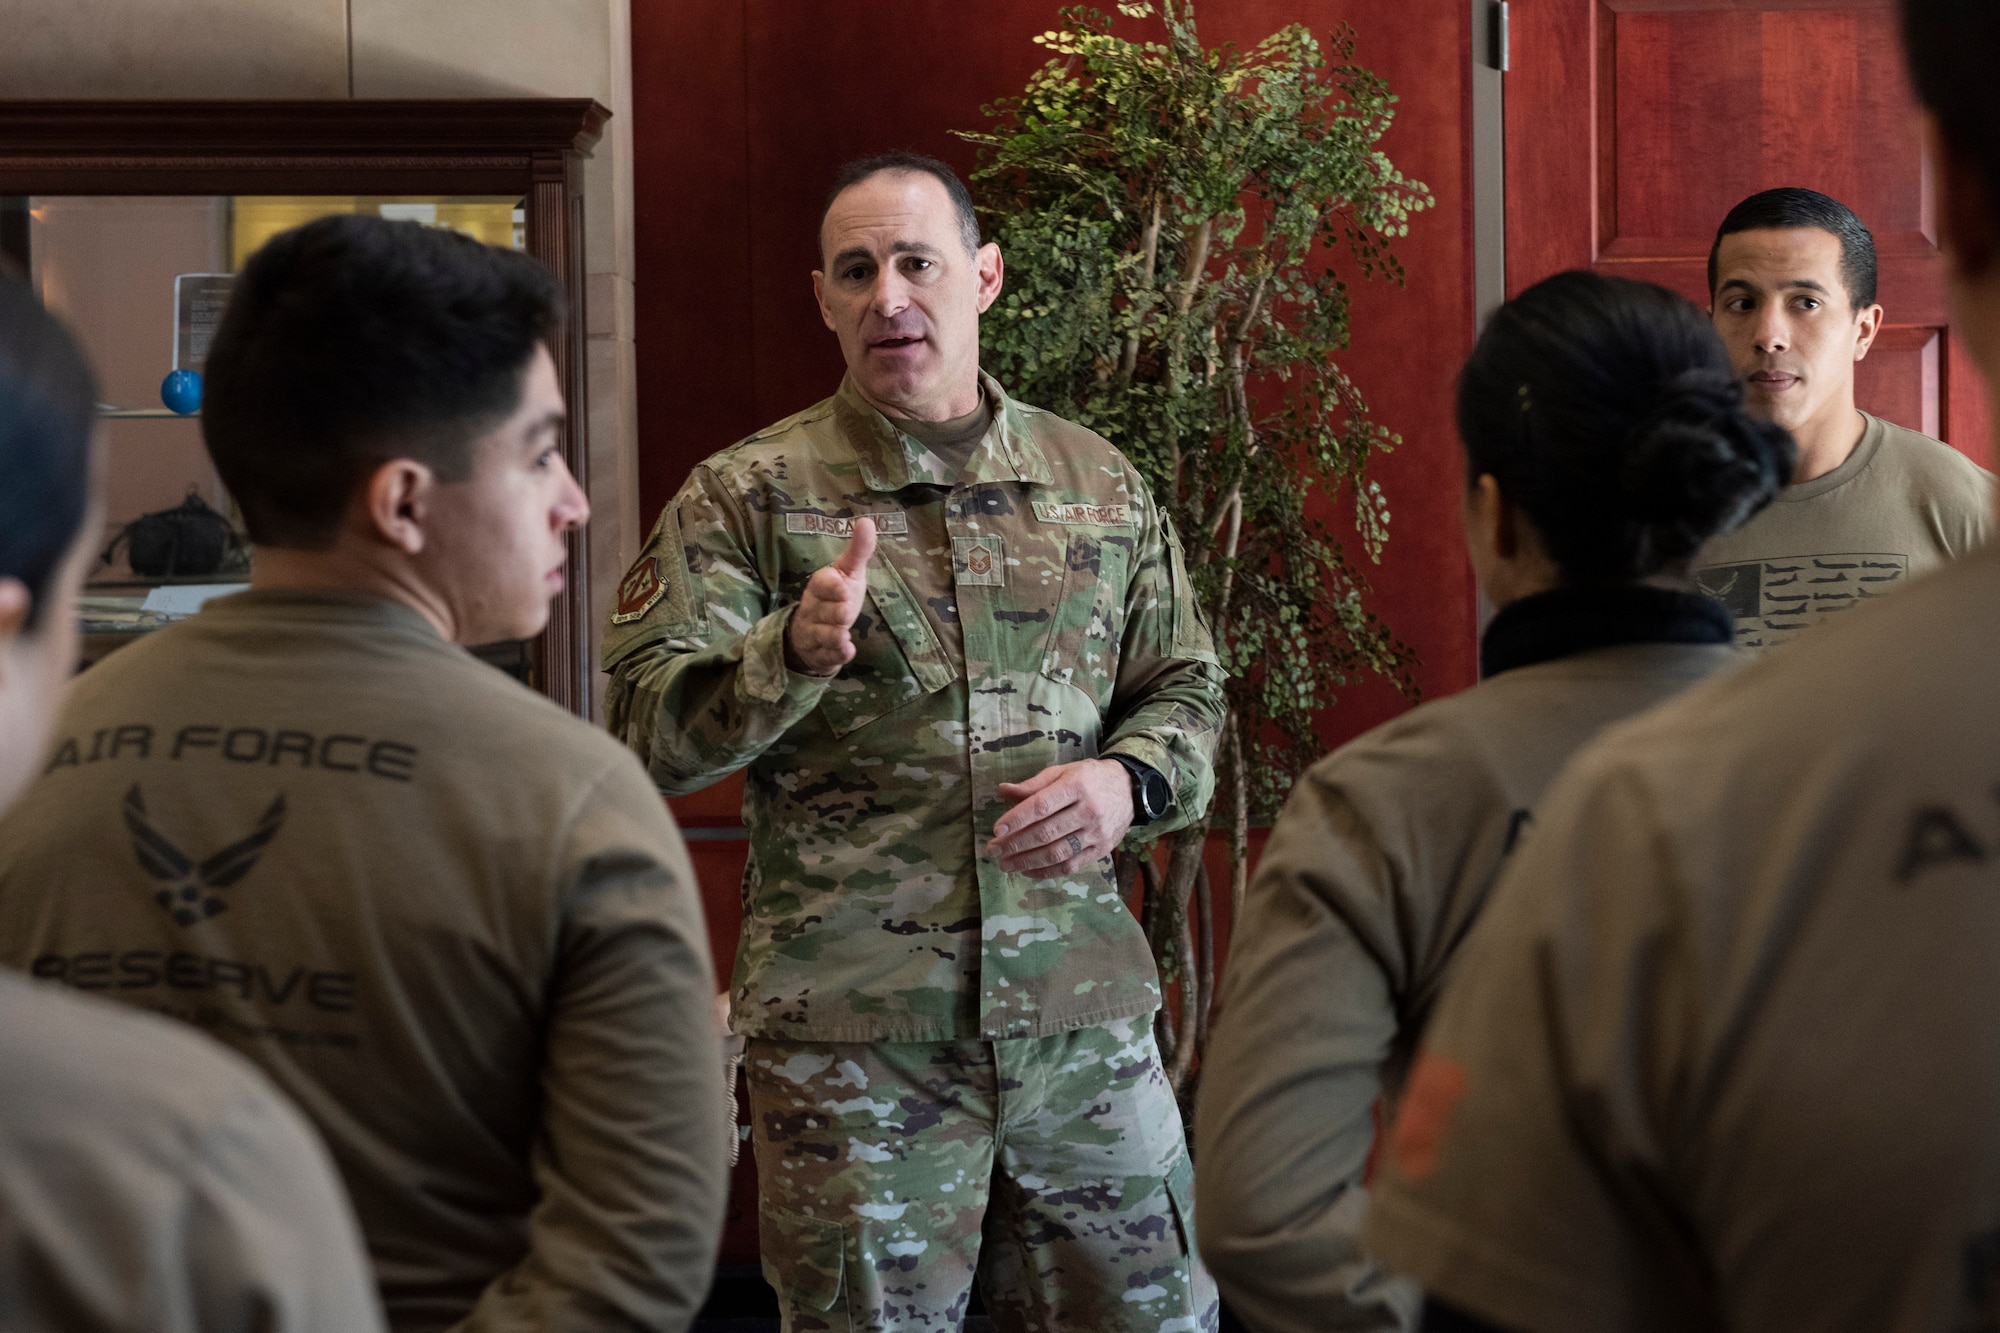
(1171,216)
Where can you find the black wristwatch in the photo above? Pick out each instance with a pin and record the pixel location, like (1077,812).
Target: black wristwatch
(1151,796)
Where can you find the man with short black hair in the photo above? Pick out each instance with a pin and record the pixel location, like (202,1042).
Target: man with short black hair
(952,640)
(1791,281)
(1724,1050)
(451,920)
(150,1181)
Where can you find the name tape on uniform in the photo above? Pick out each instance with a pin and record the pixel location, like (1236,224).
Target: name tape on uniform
(825,525)
(1104,516)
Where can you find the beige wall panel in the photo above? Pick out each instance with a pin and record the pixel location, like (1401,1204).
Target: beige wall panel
(482,48)
(173,48)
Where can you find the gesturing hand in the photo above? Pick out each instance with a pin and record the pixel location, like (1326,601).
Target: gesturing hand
(1066,817)
(817,640)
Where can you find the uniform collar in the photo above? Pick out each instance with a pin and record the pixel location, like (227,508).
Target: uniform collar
(891,459)
(1567,621)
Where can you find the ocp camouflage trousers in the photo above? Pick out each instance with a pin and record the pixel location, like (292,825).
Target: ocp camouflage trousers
(1054,1166)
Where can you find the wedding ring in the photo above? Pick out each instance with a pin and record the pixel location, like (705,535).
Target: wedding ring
(1075,845)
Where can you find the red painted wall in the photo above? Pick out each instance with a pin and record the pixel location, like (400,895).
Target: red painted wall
(742,111)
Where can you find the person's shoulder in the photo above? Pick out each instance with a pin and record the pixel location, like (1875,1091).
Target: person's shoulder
(1093,461)
(509,715)
(1928,460)
(1071,436)
(1433,747)
(780,440)
(146,661)
(69,1055)
(1532,695)
(1512,731)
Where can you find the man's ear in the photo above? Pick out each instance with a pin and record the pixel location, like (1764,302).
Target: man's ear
(819,295)
(992,274)
(1868,324)
(396,503)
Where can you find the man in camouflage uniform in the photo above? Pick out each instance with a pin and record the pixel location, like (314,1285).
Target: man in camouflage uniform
(951,638)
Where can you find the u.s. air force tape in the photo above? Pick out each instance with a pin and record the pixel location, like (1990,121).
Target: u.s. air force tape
(892,524)
(1103,516)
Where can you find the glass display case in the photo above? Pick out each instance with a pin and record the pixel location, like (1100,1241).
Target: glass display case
(130,217)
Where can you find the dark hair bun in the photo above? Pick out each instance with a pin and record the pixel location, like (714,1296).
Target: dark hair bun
(1698,465)
(1607,409)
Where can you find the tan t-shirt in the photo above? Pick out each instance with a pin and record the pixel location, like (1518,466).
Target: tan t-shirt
(453,922)
(952,441)
(1384,854)
(1724,1048)
(151,1182)
(1901,504)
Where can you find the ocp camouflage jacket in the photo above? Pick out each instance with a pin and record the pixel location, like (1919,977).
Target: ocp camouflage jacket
(1038,612)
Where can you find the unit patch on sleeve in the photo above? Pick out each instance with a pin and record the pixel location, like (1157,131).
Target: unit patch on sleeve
(642,587)
(893,524)
(1103,516)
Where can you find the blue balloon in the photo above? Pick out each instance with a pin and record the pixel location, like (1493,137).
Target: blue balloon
(181,391)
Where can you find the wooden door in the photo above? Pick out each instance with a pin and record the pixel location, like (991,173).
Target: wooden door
(1633,126)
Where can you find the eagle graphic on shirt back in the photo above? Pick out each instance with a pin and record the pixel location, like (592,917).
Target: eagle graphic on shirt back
(187,889)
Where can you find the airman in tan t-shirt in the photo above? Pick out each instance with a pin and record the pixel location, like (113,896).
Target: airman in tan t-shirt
(1900,504)
(455,923)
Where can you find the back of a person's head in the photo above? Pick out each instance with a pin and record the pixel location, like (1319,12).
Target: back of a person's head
(351,341)
(1607,410)
(48,410)
(1951,44)
(1791,207)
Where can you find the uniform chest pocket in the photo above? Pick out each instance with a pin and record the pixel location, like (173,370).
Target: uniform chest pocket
(1089,618)
(897,656)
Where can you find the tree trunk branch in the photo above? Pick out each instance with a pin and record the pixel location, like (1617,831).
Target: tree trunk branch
(1128,362)
(1191,269)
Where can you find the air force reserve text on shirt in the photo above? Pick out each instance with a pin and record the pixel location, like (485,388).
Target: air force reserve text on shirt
(248,999)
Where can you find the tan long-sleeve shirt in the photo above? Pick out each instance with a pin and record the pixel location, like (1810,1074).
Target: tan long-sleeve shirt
(1382,859)
(1724,1048)
(150,1182)
(453,922)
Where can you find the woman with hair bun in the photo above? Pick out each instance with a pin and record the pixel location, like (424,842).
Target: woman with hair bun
(1605,440)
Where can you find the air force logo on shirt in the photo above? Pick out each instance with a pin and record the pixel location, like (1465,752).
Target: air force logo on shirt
(187,890)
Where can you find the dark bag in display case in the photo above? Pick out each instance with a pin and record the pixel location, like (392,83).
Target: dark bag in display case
(191,540)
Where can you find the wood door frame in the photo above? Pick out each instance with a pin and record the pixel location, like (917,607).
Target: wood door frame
(531,148)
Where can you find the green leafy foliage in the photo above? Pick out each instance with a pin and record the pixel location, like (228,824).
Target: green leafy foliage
(1174,220)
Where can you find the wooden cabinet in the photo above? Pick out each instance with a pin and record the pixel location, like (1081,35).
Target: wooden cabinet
(105,203)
